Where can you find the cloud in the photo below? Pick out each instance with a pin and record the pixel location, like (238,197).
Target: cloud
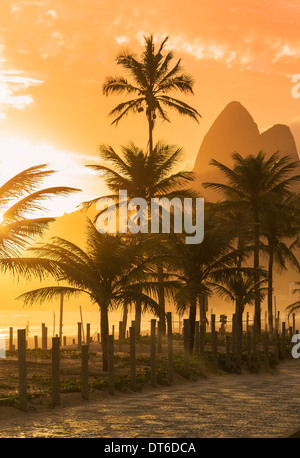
(13,81)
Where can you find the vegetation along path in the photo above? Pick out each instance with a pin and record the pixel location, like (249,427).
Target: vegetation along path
(230,406)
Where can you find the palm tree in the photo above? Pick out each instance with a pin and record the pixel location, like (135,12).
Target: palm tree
(20,198)
(110,271)
(252,183)
(198,267)
(152,80)
(280,226)
(146,176)
(238,287)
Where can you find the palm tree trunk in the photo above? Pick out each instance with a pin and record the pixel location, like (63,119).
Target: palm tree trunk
(124,320)
(270,287)
(257,311)
(150,127)
(138,317)
(192,319)
(104,335)
(161,301)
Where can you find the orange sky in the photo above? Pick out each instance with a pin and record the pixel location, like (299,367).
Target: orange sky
(54,56)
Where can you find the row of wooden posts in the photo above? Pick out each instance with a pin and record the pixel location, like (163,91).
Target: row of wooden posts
(233,353)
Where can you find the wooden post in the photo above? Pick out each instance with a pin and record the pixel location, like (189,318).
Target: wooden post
(55,371)
(79,341)
(120,335)
(233,334)
(83,338)
(11,339)
(44,337)
(215,349)
(64,341)
(294,323)
(197,338)
(111,368)
(249,355)
(85,372)
(153,352)
(88,335)
(283,341)
(238,345)
(213,327)
(170,348)
(266,350)
(23,404)
(132,359)
(159,337)
(202,341)
(186,343)
(36,342)
(227,359)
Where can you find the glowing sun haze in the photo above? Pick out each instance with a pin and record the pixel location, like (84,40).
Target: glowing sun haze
(54,56)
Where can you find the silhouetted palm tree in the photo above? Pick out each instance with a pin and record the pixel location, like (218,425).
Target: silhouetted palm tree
(252,184)
(199,266)
(280,227)
(146,176)
(20,199)
(152,81)
(238,286)
(110,271)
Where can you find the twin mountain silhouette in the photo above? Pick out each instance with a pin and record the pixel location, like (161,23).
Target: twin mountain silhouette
(234,130)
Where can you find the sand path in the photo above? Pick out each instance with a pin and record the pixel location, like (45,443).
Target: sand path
(229,406)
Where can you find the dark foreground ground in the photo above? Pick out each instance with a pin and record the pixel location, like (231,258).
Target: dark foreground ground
(221,406)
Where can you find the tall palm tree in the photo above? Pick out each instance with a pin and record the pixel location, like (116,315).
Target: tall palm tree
(198,267)
(110,271)
(280,228)
(251,184)
(20,198)
(146,176)
(152,81)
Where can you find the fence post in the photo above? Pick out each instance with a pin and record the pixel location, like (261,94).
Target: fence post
(266,350)
(22,370)
(239,336)
(120,335)
(294,323)
(132,359)
(88,335)
(283,341)
(44,337)
(249,356)
(84,372)
(227,360)
(215,349)
(197,338)
(11,342)
(213,328)
(170,348)
(186,343)
(79,341)
(153,352)
(36,345)
(202,341)
(111,368)
(159,337)
(55,371)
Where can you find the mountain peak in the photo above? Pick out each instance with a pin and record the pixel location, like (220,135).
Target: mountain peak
(234,130)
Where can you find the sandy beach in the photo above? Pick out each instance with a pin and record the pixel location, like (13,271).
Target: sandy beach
(220,406)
